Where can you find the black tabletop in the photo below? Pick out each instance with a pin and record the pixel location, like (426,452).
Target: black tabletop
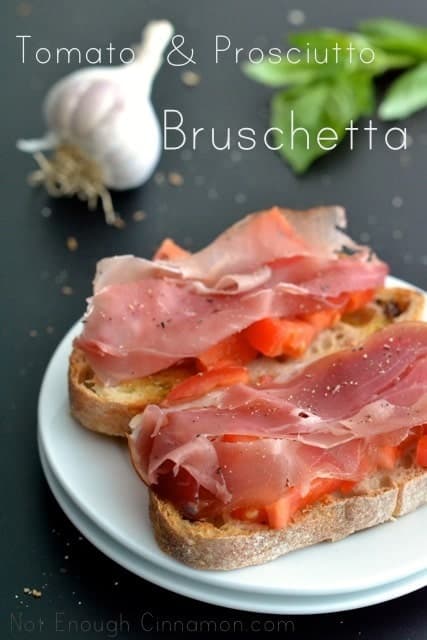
(44,283)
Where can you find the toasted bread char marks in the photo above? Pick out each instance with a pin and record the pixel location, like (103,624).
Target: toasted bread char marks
(234,545)
(108,410)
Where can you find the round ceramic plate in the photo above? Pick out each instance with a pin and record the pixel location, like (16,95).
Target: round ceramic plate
(231,598)
(96,473)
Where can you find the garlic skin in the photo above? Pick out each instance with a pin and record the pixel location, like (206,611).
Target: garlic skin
(106,113)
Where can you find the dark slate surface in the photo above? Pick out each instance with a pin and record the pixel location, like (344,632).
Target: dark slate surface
(384,193)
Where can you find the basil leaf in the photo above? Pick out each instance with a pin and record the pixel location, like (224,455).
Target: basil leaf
(326,104)
(305,66)
(280,74)
(332,46)
(344,49)
(322,39)
(386,61)
(407,94)
(397,37)
(323,54)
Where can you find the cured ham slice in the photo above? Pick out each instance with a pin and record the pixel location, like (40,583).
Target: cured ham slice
(145,315)
(250,244)
(244,445)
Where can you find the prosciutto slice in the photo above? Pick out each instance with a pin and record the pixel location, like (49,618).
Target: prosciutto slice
(248,245)
(319,424)
(146,315)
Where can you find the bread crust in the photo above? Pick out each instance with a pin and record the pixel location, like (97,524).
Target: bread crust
(103,410)
(108,410)
(234,545)
(91,410)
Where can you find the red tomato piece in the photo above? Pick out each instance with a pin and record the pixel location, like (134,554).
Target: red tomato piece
(387,457)
(205,381)
(421,455)
(169,250)
(233,351)
(279,336)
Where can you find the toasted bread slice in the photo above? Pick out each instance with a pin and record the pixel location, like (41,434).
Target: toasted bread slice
(108,410)
(234,544)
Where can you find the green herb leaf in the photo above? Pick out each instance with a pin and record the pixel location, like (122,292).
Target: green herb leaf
(331,74)
(397,37)
(407,94)
(386,61)
(323,62)
(348,52)
(329,104)
(280,74)
(322,39)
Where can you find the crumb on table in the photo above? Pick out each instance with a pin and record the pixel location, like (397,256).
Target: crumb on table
(66,290)
(138,216)
(190,78)
(72,244)
(175,179)
(36,593)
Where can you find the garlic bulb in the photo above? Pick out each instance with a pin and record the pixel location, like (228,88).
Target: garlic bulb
(103,127)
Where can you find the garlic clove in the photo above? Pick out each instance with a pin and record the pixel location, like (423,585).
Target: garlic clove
(123,165)
(63,98)
(155,37)
(106,95)
(48,142)
(103,119)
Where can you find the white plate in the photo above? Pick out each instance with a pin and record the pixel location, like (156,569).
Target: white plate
(243,600)
(96,473)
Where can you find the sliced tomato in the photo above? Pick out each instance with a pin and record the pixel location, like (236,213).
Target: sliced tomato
(347,486)
(387,457)
(284,228)
(421,455)
(279,336)
(169,250)
(233,351)
(358,299)
(413,437)
(323,319)
(319,488)
(205,381)
(275,337)
(280,513)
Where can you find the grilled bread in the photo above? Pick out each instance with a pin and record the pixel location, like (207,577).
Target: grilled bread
(232,544)
(108,409)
